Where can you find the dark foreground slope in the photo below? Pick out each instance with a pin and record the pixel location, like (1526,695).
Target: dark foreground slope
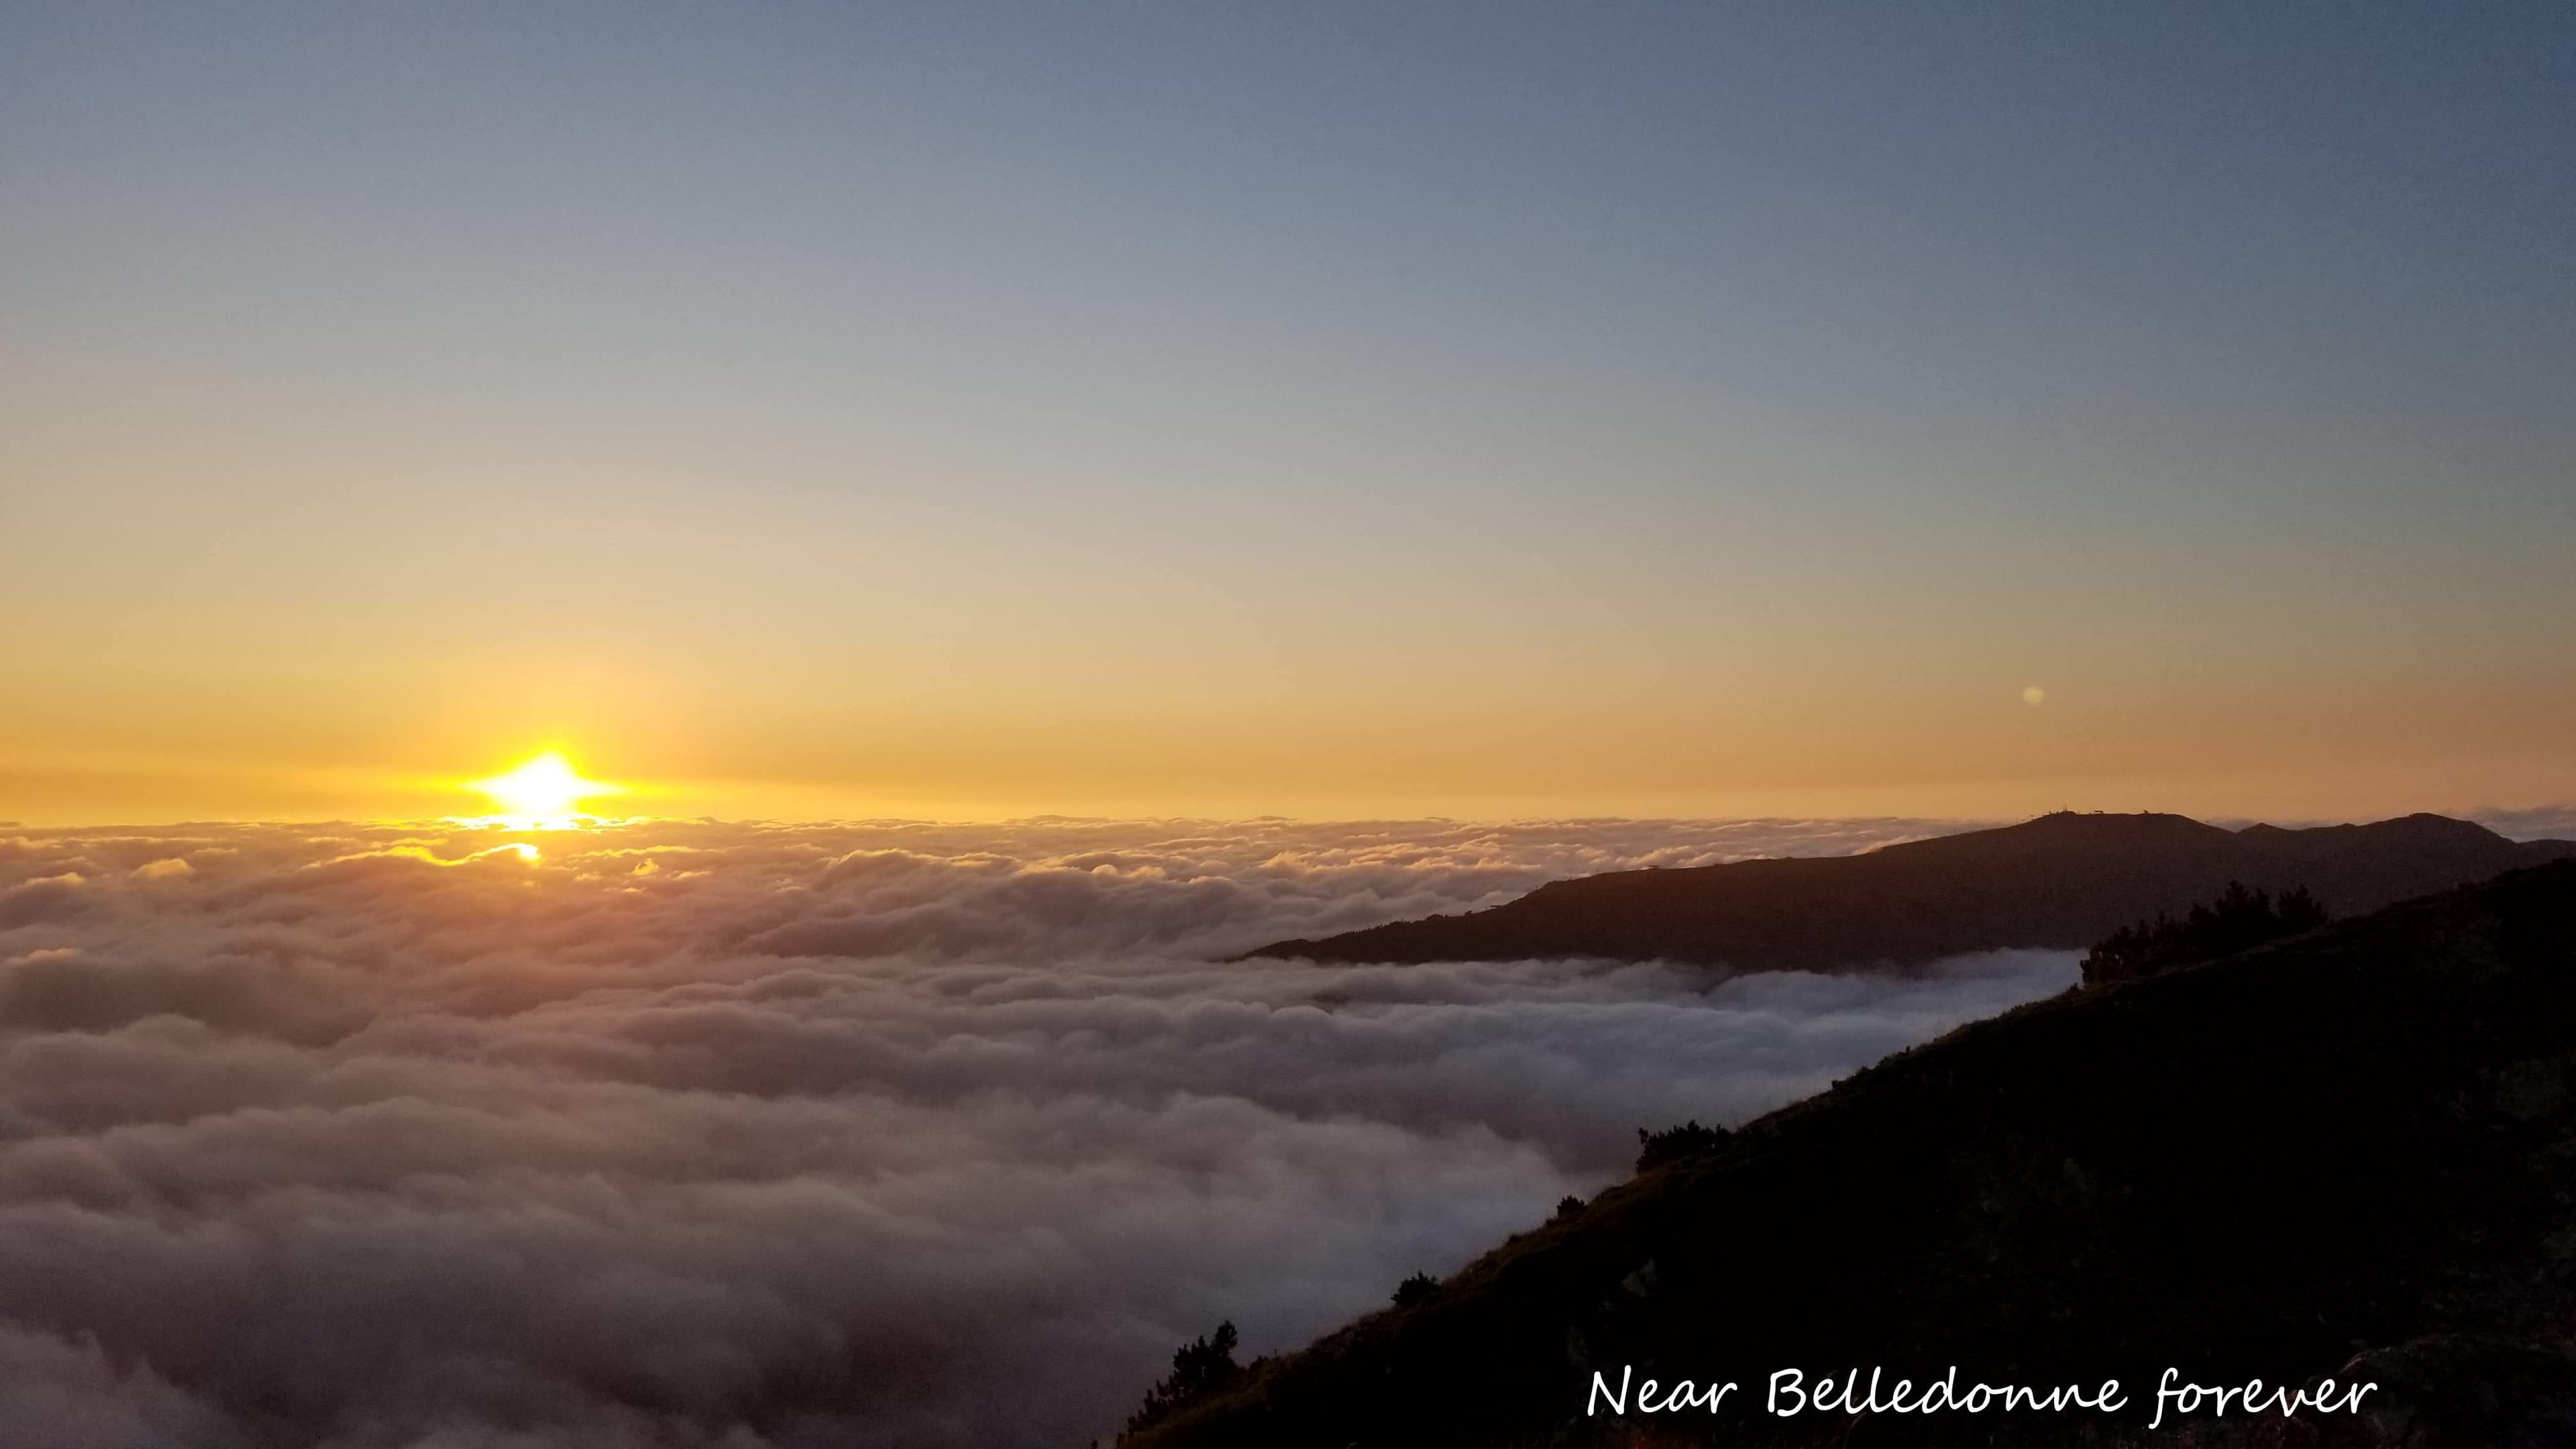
(2361,1141)
(2062,880)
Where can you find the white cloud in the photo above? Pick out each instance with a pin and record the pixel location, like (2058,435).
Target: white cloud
(804,1135)
(2543,822)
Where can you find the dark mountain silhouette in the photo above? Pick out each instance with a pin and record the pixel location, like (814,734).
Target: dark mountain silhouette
(2063,880)
(2351,1152)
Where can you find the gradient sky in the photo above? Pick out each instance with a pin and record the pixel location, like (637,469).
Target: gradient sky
(985,410)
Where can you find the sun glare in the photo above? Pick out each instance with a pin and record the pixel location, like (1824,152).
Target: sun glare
(542,793)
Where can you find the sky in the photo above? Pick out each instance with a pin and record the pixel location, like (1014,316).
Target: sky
(978,411)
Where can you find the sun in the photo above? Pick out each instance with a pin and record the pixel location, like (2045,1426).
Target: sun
(541,794)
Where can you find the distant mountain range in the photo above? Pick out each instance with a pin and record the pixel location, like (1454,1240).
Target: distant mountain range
(2063,880)
(2352,1152)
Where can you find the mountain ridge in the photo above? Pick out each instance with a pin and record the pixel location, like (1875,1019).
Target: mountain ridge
(2062,881)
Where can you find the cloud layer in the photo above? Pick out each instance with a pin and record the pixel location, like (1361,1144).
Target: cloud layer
(696,1134)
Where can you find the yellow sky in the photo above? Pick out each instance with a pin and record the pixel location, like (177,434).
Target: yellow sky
(1992,757)
(224,628)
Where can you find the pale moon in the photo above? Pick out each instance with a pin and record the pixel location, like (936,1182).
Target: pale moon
(2033,694)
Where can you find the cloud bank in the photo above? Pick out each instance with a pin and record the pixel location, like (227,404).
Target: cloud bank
(731,1136)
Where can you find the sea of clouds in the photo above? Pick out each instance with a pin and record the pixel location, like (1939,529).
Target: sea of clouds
(739,1135)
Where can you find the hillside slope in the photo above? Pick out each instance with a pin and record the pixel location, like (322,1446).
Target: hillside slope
(2357,1141)
(2062,881)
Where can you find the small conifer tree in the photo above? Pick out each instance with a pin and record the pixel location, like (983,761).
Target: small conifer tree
(1200,1367)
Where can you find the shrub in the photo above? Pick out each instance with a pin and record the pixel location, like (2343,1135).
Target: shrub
(1199,1368)
(2238,920)
(1414,1289)
(1654,1149)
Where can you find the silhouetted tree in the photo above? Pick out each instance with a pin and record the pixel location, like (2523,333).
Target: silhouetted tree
(2299,910)
(1567,1206)
(1654,1149)
(2239,920)
(1414,1289)
(1199,1368)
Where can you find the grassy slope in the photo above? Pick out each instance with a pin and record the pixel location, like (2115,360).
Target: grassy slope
(2263,1165)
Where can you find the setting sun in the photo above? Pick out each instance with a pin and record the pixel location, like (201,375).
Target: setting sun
(543,791)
